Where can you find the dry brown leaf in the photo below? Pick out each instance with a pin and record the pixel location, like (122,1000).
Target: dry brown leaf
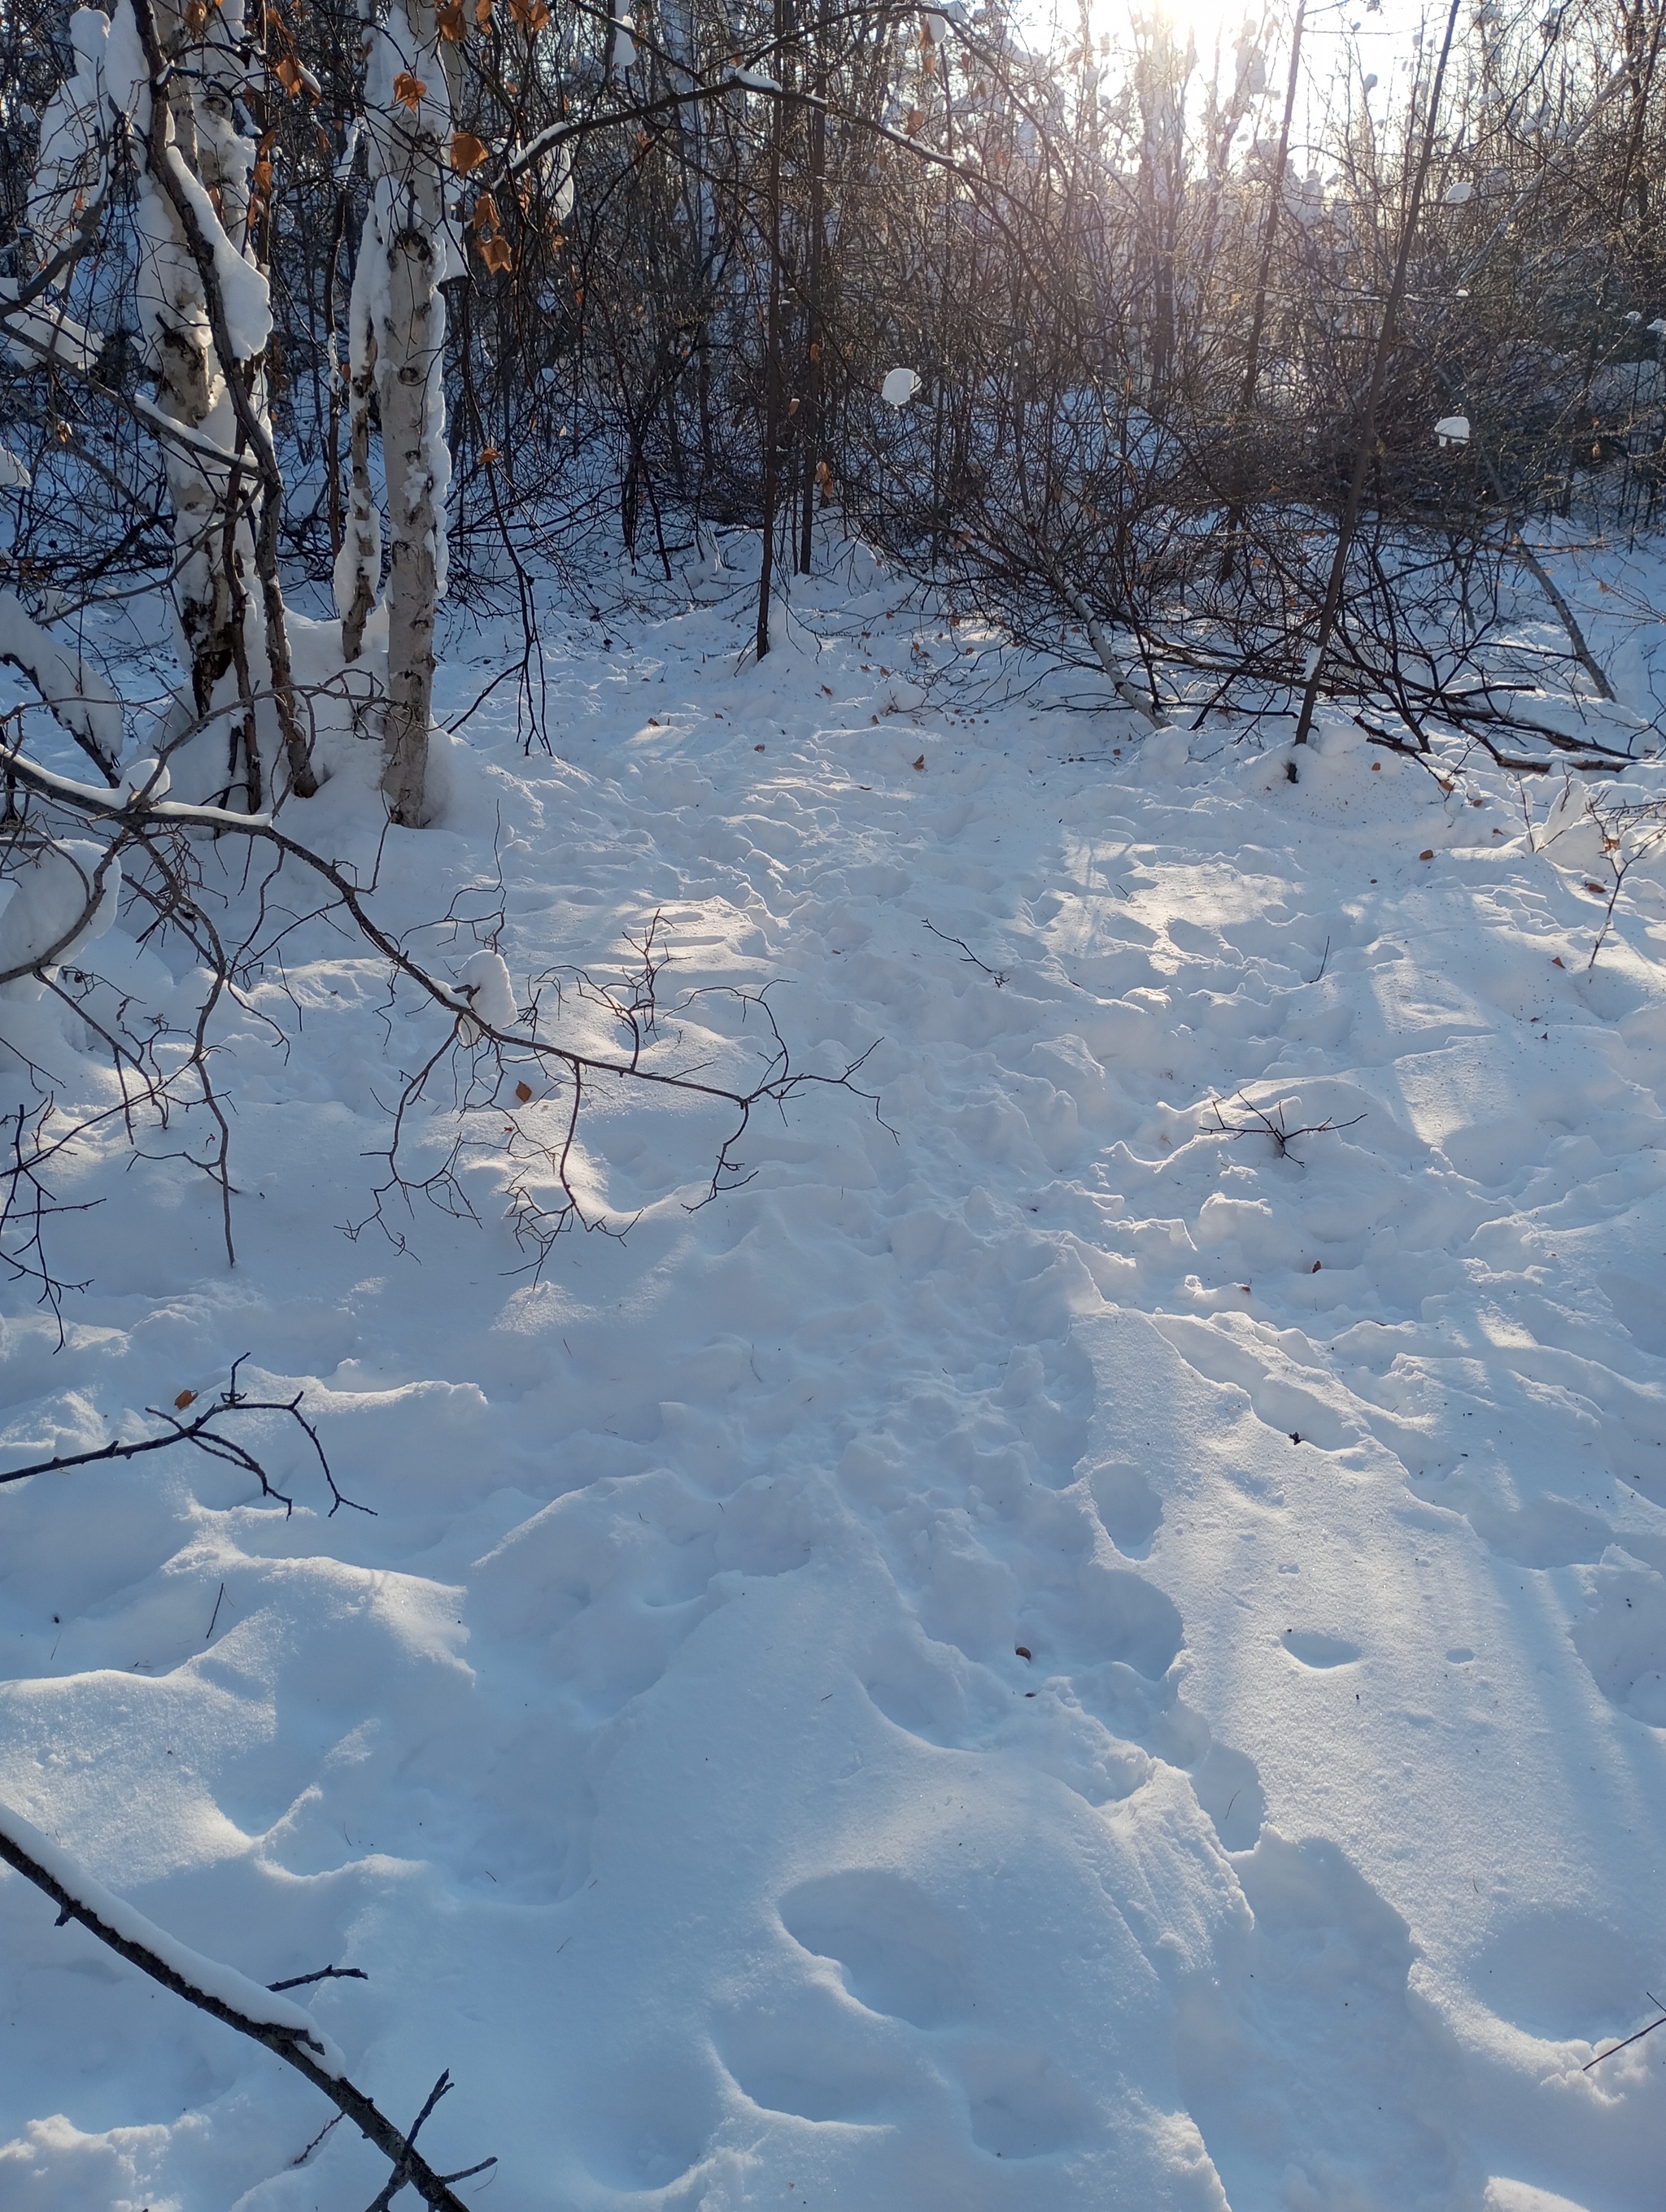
(185,1398)
(523,1091)
(468,152)
(410,91)
(495,252)
(921,763)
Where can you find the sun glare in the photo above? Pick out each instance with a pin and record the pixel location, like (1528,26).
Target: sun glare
(1212,25)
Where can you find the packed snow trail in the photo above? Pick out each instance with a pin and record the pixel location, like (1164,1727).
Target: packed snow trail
(1066,1646)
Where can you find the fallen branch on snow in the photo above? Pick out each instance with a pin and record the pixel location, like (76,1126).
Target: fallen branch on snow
(200,1431)
(265,2016)
(1262,1124)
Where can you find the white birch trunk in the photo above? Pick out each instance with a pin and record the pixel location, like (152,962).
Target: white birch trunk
(359,564)
(398,335)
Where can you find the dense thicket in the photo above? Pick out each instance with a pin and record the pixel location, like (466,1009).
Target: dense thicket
(1144,287)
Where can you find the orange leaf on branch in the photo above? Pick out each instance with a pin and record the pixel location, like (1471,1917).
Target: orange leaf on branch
(468,152)
(484,218)
(287,71)
(495,252)
(410,91)
(448,21)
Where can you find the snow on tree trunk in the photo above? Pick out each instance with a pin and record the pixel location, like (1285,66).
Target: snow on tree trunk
(77,694)
(211,603)
(399,334)
(111,79)
(193,170)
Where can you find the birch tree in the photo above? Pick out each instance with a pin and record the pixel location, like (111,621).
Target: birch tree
(398,341)
(169,83)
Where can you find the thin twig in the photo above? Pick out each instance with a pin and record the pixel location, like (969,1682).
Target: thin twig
(319,1974)
(996,975)
(201,1431)
(1631,2040)
(1263,1124)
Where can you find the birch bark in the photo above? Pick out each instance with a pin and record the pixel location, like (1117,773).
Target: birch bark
(399,322)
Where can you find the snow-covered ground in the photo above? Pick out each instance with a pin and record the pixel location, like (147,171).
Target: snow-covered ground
(1052,1650)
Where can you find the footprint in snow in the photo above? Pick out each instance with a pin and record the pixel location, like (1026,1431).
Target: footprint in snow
(1310,1647)
(900,1955)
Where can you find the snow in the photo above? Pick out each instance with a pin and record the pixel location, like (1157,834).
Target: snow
(39,329)
(483,980)
(899,387)
(110,80)
(42,921)
(13,477)
(1051,1650)
(1453,429)
(72,171)
(146,778)
(80,697)
(243,288)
